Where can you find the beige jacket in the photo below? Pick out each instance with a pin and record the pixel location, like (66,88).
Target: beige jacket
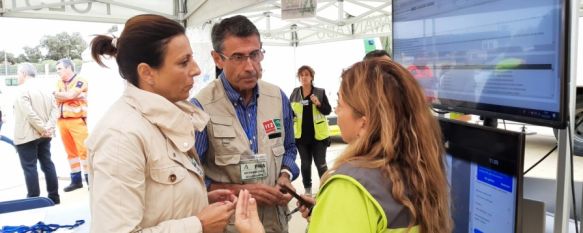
(34,112)
(145,175)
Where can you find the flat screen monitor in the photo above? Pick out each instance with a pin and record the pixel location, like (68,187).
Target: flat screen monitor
(497,58)
(484,168)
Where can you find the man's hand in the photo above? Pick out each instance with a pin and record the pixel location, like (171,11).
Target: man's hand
(219,195)
(284,180)
(48,133)
(265,194)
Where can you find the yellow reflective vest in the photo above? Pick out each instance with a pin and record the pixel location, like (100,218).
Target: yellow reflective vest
(321,130)
(357,199)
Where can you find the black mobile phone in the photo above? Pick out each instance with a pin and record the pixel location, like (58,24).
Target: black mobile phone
(286,189)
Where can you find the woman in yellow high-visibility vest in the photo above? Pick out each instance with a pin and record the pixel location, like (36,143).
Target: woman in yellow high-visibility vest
(310,106)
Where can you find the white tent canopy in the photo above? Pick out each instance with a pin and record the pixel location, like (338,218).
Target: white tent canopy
(335,19)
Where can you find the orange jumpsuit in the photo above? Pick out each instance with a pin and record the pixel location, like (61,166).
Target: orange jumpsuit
(72,126)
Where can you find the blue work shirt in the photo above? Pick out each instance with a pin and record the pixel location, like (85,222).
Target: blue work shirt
(247,116)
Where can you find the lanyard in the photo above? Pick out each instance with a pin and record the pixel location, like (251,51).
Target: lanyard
(39,227)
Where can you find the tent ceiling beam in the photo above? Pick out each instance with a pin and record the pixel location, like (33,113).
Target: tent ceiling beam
(133,7)
(358,3)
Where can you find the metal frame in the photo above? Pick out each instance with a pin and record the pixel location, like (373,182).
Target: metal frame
(564,175)
(78,15)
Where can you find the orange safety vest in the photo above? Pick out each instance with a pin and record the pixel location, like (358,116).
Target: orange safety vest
(75,108)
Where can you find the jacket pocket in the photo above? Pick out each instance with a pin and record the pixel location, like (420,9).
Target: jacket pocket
(224,137)
(169,175)
(225,160)
(278,151)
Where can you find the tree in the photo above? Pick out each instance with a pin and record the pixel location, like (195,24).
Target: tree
(22,58)
(33,54)
(63,45)
(9,57)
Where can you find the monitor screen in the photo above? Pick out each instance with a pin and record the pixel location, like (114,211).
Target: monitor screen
(484,169)
(496,58)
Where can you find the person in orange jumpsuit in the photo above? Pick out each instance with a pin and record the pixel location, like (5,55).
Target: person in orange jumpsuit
(71,96)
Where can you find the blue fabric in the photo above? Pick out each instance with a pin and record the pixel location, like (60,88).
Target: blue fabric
(25,204)
(7,140)
(4,138)
(76,178)
(247,116)
(31,152)
(40,227)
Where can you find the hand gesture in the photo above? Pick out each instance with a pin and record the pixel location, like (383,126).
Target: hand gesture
(264,194)
(305,211)
(47,133)
(286,197)
(215,217)
(246,216)
(219,195)
(315,100)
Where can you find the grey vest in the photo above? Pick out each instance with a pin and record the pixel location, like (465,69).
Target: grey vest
(380,189)
(228,143)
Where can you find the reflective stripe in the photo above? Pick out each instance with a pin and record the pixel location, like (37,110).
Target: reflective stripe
(76,108)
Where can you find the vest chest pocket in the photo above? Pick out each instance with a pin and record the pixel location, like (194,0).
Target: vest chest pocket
(223,136)
(169,175)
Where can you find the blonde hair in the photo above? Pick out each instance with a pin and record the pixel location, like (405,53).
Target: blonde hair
(401,138)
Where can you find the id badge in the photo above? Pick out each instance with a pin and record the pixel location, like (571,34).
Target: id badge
(305,102)
(254,169)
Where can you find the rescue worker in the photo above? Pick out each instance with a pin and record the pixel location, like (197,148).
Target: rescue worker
(71,96)
(249,141)
(310,106)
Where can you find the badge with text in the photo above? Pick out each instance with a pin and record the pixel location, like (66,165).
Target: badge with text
(272,128)
(305,102)
(269,126)
(254,169)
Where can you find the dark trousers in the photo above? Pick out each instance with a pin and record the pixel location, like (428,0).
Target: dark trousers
(29,153)
(316,151)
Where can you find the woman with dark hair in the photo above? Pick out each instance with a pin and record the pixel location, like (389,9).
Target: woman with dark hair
(145,174)
(310,106)
(391,177)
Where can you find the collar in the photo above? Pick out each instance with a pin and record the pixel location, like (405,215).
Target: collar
(71,79)
(232,94)
(177,121)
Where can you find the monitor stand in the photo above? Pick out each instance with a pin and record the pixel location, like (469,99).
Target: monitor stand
(533,216)
(490,122)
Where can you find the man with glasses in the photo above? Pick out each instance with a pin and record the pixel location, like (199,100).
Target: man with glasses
(249,141)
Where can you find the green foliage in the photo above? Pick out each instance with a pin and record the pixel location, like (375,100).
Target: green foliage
(33,55)
(9,57)
(63,45)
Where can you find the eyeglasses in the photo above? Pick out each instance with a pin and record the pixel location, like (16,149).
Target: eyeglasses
(255,56)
